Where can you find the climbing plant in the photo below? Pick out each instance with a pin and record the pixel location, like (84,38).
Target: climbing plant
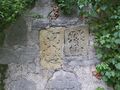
(66,6)
(10,9)
(103,16)
(105,22)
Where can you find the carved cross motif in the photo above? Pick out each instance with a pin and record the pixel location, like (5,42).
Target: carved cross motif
(51,43)
(75,41)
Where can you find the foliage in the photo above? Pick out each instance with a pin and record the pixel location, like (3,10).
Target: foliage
(99,88)
(3,69)
(66,6)
(104,20)
(9,11)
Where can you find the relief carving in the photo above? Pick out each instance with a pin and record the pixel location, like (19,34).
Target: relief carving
(76,41)
(51,45)
(52,41)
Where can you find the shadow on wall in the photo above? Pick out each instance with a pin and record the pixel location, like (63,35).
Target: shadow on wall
(16,36)
(3,70)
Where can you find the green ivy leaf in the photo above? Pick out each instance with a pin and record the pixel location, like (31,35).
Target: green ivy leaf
(117,66)
(119,34)
(117,41)
(100,88)
(105,78)
(102,41)
(108,46)
(108,74)
(113,61)
(117,87)
(99,55)
(112,73)
(104,7)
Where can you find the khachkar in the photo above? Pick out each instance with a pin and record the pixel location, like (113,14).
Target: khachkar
(51,47)
(76,41)
(59,42)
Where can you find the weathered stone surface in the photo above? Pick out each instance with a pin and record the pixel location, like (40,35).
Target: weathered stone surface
(23,84)
(16,34)
(40,24)
(43,3)
(51,46)
(27,54)
(62,80)
(88,80)
(65,21)
(76,41)
(73,69)
(7,56)
(19,55)
(16,50)
(44,8)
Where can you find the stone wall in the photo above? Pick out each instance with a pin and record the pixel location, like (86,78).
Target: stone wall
(50,54)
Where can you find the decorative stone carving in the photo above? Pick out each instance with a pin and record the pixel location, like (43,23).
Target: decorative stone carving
(62,80)
(76,41)
(51,47)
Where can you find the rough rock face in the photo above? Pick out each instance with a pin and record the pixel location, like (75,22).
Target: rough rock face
(45,54)
(23,84)
(63,80)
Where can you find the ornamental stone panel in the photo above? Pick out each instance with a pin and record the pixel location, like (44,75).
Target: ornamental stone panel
(76,41)
(60,41)
(51,47)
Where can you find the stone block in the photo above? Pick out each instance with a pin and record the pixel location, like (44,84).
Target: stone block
(51,47)
(76,41)
(40,24)
(16,34)
(23,84)
(89,80)
(62,80)
(8,56)
(65,21)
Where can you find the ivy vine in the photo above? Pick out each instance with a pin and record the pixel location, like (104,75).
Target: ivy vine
(67,6)
(104,20)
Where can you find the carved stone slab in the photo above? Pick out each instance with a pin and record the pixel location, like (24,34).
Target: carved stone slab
(51,47)
(62,80)
(76,41)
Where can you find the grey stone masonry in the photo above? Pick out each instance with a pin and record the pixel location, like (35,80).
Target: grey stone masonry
(49,54)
